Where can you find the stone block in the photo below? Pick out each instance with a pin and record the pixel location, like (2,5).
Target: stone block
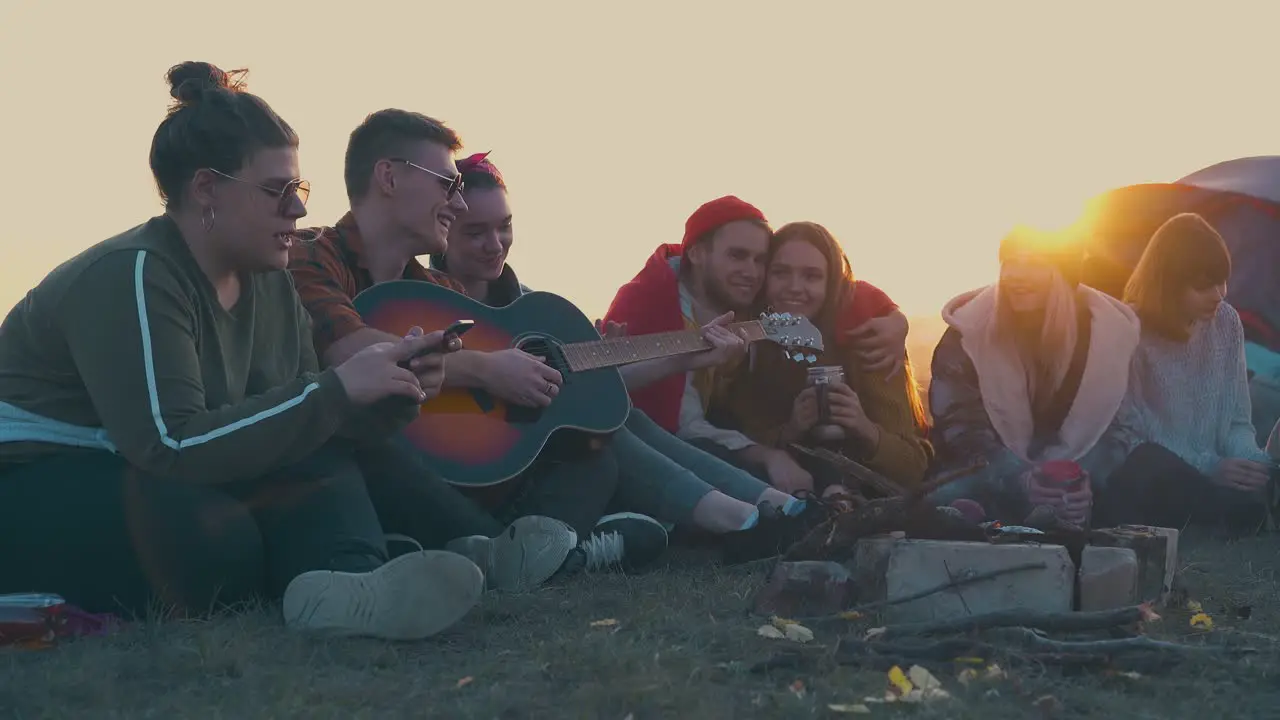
(1157,551)
(1108,578)
(917,565)
(801,589)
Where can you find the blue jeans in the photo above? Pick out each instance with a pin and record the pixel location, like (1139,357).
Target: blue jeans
(665,477)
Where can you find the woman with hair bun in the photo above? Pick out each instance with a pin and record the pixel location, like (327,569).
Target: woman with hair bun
(166,434)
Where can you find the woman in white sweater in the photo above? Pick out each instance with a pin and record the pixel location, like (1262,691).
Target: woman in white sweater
(1188,391)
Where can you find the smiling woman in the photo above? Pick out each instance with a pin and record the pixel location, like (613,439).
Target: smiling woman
(165,379)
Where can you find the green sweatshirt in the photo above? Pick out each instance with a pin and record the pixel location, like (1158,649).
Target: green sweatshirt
(126,348)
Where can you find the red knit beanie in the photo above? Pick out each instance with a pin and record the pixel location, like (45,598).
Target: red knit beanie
(716,214)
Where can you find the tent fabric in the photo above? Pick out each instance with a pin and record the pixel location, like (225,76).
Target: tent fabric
(1241,198)
(1257,177)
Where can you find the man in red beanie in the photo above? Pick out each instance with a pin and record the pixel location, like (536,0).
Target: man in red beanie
(719,267)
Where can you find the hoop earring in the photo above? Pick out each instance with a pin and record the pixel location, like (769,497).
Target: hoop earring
(207,220)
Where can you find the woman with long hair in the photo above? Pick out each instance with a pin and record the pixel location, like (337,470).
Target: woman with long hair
(1188,387)
(166,435)
(1029,380)
(882,418)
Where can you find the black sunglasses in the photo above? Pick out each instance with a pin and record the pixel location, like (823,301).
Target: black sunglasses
(297,187)
(453,186)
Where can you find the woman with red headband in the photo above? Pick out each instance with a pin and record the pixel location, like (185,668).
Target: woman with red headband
(661,476)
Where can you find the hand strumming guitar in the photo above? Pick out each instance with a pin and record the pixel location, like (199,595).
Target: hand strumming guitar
(520,378)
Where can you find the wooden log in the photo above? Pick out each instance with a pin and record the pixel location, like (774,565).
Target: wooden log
(1157,551)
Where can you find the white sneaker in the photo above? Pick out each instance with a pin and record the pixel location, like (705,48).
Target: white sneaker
(524,556)
(409,598)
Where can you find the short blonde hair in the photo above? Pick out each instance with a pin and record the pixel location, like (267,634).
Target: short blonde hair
(1186,252)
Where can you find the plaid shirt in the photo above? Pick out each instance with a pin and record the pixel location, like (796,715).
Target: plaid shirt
(329,271)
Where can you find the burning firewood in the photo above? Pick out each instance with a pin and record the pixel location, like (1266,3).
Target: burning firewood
(837,536)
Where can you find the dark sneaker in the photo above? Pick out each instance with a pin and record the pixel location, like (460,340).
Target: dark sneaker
(411,597)
(622,541)
(774,533)
(524,556)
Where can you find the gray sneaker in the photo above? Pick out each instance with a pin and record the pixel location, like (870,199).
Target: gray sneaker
(524,556)
(409,598)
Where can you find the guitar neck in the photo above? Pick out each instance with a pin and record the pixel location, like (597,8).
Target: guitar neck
(613,352)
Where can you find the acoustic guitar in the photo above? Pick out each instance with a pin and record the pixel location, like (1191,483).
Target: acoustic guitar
(474,439)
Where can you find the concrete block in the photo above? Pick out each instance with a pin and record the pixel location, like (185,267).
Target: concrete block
(916,565)
(801,589)
(1157,551)
(1108,578)
(869,565)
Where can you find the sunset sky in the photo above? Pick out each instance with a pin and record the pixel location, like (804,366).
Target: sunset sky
(918,132)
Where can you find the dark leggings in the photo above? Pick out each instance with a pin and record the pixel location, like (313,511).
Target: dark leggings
(1156,487)
(110,538)
(411,499)
(572,485)
(569,483)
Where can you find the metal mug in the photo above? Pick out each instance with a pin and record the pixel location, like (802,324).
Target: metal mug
(820,378)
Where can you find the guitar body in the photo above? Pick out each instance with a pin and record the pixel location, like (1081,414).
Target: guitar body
(470,437)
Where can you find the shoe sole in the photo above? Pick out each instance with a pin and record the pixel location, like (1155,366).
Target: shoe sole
(529,552)
(409,598)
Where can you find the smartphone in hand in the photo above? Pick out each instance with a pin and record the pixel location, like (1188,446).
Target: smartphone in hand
(457,329)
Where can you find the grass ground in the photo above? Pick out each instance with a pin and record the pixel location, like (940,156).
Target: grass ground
(682,646)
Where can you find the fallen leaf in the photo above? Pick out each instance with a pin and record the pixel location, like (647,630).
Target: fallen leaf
(609,622)
(854,709)
(850,615)
(873,633)
(967,676)
(465,681)
(969,660)
(1048,705)
(1200,621)
(898,681)
(1130,674)
(1194,606)
(922,678)
(995,672)
(781,623)
(798,633)
(770,632)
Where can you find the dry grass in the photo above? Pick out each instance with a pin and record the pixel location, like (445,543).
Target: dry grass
(682,647)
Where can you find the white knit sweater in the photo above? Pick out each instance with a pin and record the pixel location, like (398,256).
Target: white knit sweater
(1193,397)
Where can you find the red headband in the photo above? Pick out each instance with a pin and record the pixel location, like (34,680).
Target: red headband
(479,163)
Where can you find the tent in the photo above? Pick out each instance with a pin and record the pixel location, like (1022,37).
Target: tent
(1241,198)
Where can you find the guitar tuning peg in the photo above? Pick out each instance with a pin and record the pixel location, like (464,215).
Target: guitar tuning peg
(798,357)
(812,358)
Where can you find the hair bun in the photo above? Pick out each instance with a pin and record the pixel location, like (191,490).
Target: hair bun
(189,81)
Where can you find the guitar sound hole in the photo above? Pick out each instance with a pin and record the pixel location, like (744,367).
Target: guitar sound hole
(550,351)
(554,357)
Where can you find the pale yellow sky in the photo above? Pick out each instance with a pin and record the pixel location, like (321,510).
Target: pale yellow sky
(917,132)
